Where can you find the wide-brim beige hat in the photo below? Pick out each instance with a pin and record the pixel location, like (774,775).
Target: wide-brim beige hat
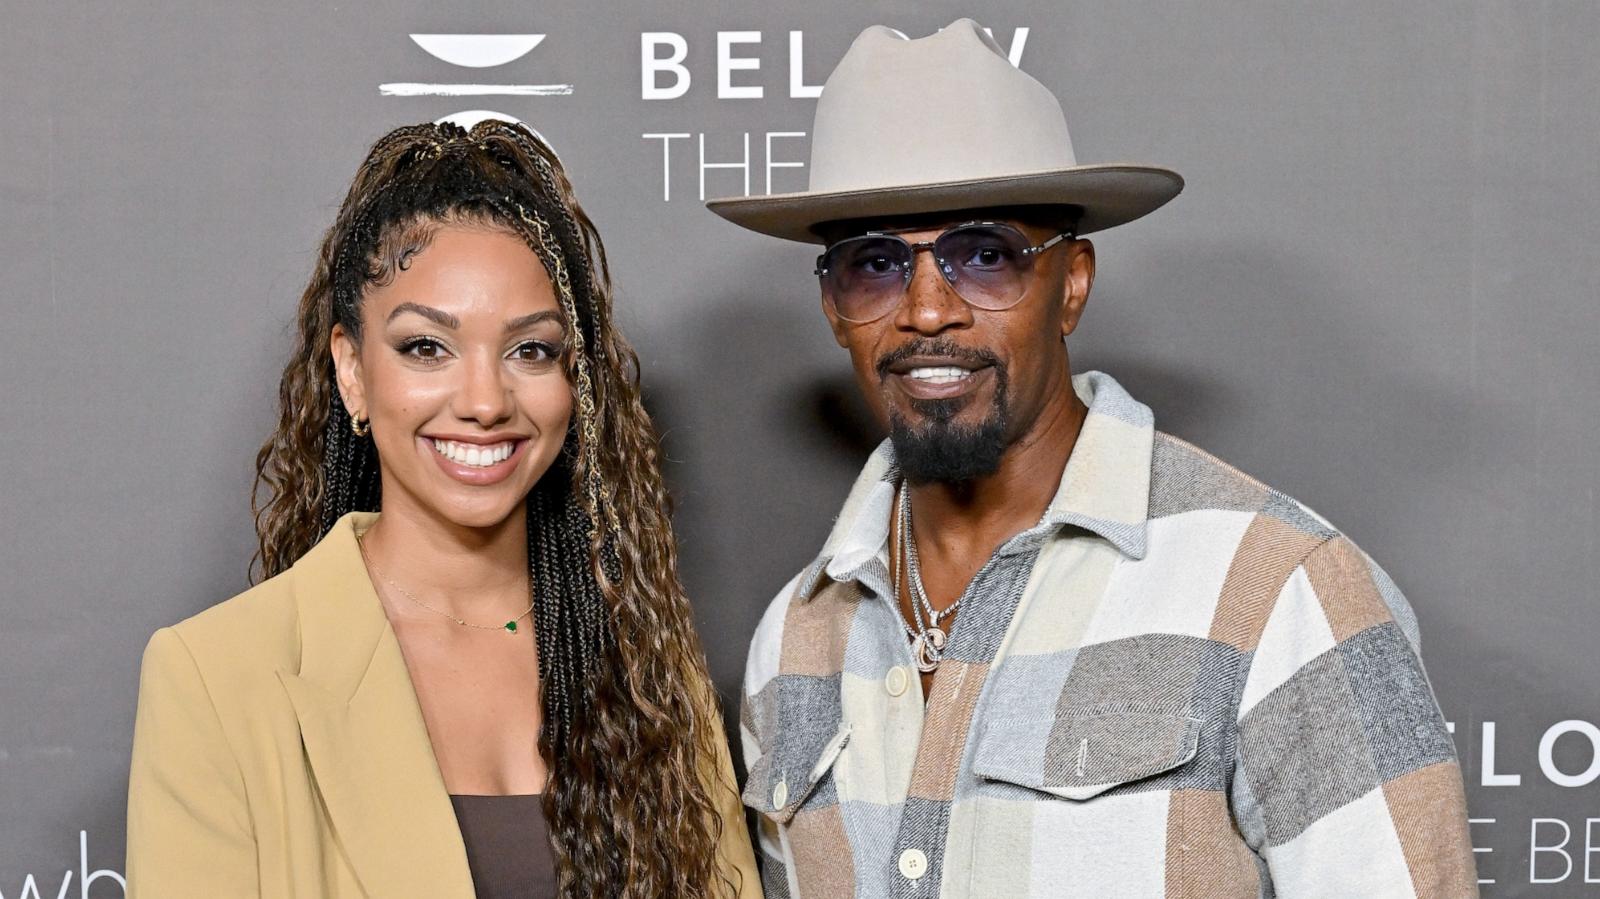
(944,122)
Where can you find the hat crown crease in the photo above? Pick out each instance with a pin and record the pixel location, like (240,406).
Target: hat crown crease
(946,107)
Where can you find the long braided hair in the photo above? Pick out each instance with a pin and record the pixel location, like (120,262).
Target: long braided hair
(629,714)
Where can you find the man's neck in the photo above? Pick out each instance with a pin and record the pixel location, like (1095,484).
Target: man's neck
(970,519)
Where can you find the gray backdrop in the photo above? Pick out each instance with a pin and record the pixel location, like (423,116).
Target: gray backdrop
(1377,294)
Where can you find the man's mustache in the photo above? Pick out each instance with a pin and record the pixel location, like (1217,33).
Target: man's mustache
(940,346)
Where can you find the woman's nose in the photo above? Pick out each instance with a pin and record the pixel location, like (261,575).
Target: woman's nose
(484,395)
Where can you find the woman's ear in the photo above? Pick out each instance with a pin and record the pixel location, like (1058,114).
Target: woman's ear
(347,370)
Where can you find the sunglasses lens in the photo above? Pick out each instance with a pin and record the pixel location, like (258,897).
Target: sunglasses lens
(989,265)
(864,276)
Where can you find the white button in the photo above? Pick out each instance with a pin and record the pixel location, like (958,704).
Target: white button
(897,681)
(780,794)
(913,864)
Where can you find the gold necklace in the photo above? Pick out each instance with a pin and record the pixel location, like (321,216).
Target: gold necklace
(509,627)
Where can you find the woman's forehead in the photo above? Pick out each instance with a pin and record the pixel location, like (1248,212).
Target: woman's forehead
(473,276)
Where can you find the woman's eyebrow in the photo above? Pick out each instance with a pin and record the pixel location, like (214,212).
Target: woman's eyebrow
(517,324)
(438,316)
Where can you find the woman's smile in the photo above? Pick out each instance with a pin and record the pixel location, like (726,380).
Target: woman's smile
(476,463)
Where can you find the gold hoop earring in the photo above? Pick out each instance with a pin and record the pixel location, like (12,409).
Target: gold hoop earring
(360,428)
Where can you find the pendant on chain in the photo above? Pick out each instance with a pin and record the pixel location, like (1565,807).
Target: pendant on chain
(928,647)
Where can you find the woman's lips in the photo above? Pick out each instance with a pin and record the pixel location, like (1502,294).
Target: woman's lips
(477,475)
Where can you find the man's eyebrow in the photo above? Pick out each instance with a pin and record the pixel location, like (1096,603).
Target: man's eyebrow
(517,324)
(438,316)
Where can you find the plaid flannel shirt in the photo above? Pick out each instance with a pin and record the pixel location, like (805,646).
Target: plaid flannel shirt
(1181,683)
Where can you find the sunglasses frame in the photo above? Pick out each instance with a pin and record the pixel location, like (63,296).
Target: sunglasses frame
(1029,252)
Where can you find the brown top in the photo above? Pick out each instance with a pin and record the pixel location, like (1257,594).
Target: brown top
(508,846)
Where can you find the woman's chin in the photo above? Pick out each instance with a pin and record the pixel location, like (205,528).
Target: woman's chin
(476,512)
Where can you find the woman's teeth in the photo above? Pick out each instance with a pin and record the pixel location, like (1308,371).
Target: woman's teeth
(943,374)
(473,454)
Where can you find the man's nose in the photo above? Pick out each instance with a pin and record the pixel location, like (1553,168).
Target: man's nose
(931,304)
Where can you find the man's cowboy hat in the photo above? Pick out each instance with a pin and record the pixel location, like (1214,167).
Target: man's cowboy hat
(940,123)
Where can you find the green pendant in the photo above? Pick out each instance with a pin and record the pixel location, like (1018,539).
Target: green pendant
(511,626)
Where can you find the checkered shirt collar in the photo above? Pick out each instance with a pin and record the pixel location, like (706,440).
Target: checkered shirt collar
(1105,489)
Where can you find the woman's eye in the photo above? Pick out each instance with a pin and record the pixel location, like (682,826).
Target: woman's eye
(422,348)
(534,351)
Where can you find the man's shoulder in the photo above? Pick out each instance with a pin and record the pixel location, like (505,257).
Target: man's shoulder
(778,606)
(766,644)
(1186,479)
(1276,535)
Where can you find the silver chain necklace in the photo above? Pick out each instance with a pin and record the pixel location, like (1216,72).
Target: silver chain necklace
(928,637)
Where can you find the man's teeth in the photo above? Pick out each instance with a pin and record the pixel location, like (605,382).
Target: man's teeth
(473,454)
(943,374)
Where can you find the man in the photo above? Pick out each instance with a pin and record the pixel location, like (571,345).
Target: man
(1142,672)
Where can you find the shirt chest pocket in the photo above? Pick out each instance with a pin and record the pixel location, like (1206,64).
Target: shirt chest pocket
(795,771)
(1079,755)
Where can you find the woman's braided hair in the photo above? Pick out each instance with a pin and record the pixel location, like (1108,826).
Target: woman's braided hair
(628,709)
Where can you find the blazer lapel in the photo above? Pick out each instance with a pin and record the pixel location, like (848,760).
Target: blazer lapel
(363,730)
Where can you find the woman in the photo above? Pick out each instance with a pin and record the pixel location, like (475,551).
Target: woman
(493,685)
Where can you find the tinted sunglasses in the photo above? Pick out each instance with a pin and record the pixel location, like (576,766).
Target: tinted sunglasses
(988,264)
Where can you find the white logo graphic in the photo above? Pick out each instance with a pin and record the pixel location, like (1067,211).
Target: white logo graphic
(469,117)
(38,887)
(478,51)
(475,51)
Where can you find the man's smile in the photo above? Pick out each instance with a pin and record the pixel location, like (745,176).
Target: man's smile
(928,377)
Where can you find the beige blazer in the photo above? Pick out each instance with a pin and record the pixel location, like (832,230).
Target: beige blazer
(279,751)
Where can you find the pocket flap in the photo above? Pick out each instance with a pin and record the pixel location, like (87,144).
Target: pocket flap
(1087,753)
(790,770)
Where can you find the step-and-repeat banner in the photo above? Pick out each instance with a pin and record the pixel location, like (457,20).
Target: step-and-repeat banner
(1378,294)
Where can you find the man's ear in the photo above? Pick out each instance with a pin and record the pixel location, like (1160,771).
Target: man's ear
(347,370)
(1075,289)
